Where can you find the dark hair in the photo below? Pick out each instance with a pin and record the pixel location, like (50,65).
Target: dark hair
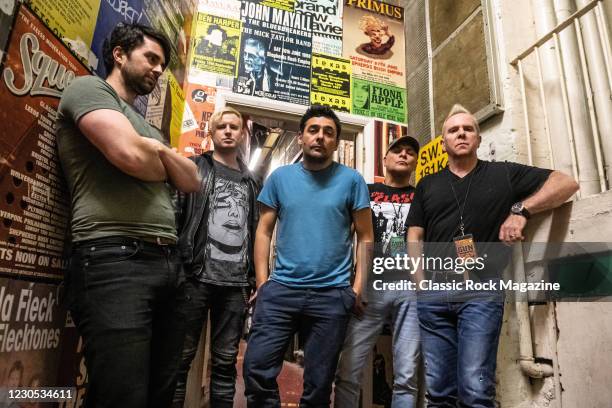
(316,111)
(128,37)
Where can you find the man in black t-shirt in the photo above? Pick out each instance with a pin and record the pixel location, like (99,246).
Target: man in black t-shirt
(216,232)
(470,205)
(390,202)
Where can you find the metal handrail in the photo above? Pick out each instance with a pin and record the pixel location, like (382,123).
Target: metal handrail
(569,21)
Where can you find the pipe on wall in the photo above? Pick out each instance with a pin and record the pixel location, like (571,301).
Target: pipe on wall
(545,21)
(600,84)
(527,362)
(588,176)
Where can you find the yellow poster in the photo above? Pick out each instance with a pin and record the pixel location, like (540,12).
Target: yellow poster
(288,5)
(177,108)
(330,82)
(74,21)
(432,159)
(216,44)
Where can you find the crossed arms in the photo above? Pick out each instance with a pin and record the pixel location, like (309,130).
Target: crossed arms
(144,158)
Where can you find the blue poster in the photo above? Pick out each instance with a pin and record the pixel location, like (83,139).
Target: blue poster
(111,13)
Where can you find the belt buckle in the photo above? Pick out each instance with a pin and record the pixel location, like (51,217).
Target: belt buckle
(160,241)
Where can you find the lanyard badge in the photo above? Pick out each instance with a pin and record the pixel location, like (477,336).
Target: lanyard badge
(465,246)
(464,243)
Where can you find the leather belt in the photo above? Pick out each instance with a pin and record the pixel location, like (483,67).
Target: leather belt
(123,240)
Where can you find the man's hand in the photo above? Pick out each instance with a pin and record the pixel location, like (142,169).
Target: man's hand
(512,229)
(360,305)
(154,143)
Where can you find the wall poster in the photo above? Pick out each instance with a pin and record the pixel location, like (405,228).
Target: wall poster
(374,41)
(330,82)
(275,53)
(34,205)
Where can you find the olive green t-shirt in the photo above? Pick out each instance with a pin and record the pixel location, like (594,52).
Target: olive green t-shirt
(106,201)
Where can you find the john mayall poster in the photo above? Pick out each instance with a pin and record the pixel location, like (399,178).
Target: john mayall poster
(275,53)
(34,209)
(326,24)
(374,41)
(215,44)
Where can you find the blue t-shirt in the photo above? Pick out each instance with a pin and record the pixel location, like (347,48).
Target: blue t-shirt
(313,236)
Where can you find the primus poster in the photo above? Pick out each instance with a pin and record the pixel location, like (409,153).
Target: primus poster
(34,209)
(215,44)
(275,53)
(374,41)
(331,82)
(326,24)
(379,101)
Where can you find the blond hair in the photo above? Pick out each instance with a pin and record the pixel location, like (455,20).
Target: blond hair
(216,117)
(367,23)
(458,109)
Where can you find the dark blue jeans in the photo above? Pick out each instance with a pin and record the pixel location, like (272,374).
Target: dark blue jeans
(459,343)
(321,314)
(122,294)
(227,307)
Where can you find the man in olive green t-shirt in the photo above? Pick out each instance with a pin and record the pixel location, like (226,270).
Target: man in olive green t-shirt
(123,279)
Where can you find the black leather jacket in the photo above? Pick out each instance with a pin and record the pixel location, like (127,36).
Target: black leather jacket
(191,210)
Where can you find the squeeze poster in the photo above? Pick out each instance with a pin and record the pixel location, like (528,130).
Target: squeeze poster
(34,205)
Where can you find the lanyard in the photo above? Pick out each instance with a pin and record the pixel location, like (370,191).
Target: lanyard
(461,207)
(397,212)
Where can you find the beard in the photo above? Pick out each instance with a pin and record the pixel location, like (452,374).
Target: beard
(137,82)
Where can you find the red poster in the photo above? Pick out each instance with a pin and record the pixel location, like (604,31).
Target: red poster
(201,101)
(34,204)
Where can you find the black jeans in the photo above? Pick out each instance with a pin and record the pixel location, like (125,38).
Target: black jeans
(122,294)
(227,305)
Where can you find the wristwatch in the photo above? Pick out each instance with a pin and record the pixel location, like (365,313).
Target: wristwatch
(519,209)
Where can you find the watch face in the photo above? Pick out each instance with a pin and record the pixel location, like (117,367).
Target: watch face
(517,208)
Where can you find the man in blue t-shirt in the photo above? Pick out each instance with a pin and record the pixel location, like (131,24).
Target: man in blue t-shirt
(315,202)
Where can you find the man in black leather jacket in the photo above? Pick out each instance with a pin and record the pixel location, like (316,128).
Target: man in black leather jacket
(216,231)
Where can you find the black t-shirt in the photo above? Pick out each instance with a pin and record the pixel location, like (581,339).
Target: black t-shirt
(390,207)
(226,224)
(493,188)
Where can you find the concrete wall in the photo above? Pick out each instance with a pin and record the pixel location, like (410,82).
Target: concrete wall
(576,337)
